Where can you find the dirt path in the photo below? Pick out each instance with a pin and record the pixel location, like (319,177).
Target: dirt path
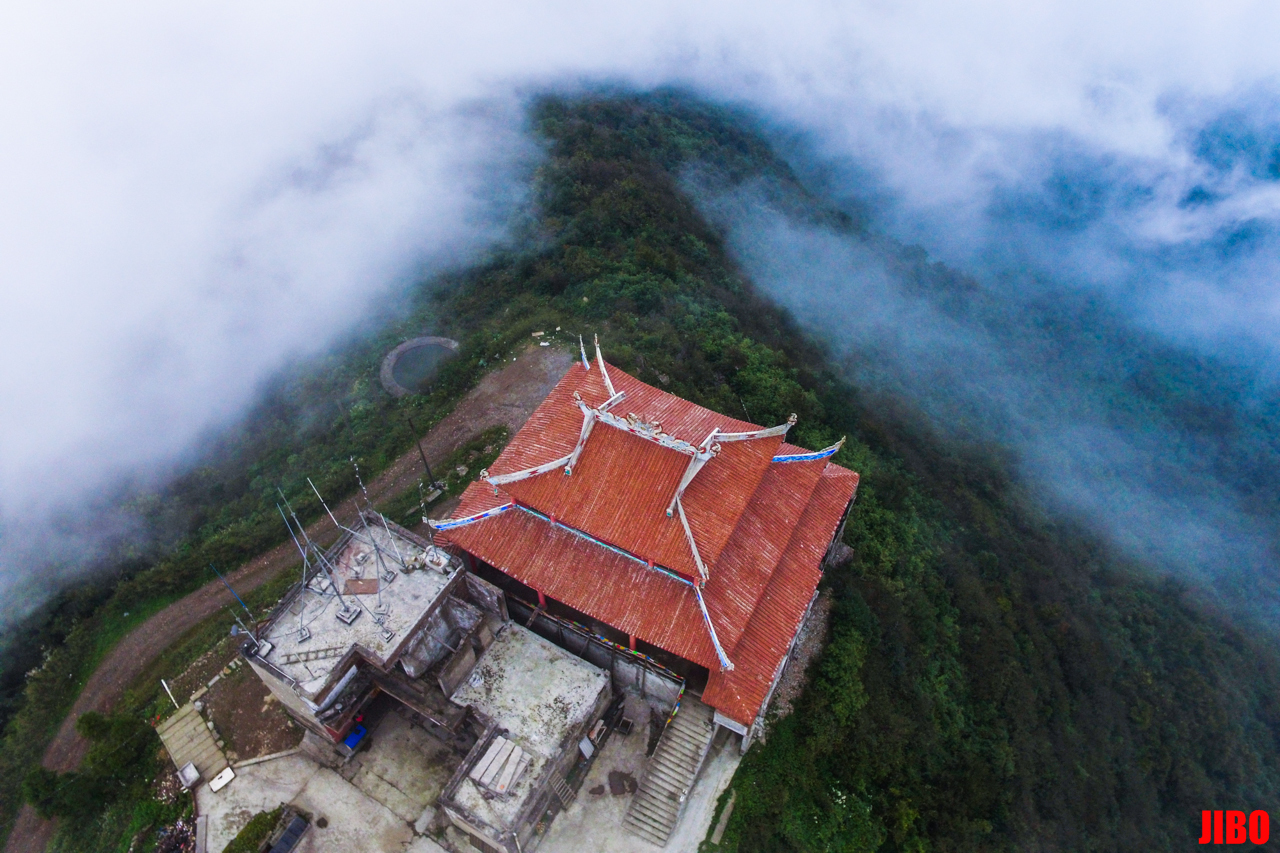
(504,397)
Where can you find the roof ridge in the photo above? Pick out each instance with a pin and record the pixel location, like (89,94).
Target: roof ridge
(461,529)
(624,491)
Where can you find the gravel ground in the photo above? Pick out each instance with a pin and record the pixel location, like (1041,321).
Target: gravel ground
(504,397)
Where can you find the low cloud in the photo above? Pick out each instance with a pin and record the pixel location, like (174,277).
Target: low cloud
(196,195)
(1060,384)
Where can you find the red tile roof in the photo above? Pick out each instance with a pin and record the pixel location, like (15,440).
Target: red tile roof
(760,651)
(623,484)
(604,584)
(740,575)
(761,527)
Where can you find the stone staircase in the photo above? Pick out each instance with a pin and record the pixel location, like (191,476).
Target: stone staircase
(655,808)
(187,737)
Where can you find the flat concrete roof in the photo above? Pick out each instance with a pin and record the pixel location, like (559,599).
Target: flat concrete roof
(398,605)
(540,694)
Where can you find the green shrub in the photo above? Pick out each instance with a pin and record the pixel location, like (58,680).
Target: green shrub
(256,831)
(121,756)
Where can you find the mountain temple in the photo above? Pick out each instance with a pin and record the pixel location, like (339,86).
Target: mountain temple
(694,539)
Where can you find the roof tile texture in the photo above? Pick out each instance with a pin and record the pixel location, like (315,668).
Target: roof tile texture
(760,651)
(623,484)
(610,587)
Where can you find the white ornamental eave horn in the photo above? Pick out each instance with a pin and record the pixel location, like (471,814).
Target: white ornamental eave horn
(726,665)
(711,447)
(588,423)
(780,429)
(693,546)
(604,372)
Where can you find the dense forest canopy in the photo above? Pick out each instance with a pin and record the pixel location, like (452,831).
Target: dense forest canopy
(996,678)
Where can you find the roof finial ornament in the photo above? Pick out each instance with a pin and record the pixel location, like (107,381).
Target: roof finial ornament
(582,348)
(791,421)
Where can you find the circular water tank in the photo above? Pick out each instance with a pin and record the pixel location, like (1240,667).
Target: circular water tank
(410,367)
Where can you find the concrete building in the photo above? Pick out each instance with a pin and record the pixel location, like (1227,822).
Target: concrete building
(541,702)
(385,613)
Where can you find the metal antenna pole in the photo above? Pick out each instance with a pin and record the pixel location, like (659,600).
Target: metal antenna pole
(431,478)
(241,624)
(391,539)
(360,481)
(369,506)
(303,633)
(382,568)
(229,589)
(296,543)
(367,539)
(326,508)
(301,530)
(324,562)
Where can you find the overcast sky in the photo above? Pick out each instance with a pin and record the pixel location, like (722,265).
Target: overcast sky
(193,193)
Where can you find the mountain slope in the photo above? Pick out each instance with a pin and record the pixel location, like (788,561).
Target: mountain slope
(996,678)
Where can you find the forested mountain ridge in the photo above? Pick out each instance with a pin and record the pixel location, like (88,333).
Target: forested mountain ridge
(996,678)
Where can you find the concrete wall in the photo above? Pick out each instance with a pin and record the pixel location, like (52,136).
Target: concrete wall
(471,829)
(487,596)
(292,702)
(429,647)
(569,755)
(458,669)
(657,686)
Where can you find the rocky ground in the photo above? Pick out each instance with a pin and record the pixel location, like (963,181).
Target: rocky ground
(813,636)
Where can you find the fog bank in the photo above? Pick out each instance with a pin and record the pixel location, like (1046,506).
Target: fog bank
(198,194)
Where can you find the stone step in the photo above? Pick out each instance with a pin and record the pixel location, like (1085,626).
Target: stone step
(660,825)
(690,735)
(679,754)
(667,779)
(656,807)
(647,832)
(646,828)
(658,818)
(656,811)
